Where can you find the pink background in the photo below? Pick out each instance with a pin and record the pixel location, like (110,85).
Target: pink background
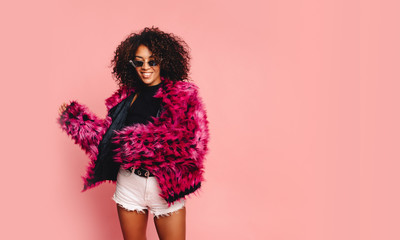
(302,99)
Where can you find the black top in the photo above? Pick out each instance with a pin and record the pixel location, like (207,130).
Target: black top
(145,106)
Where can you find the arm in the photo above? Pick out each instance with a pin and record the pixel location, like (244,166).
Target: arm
(83,126)
(177,140)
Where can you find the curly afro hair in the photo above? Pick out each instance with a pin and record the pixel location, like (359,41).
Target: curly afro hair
(170,50)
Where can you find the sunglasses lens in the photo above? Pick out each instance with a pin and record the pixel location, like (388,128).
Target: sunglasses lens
(138,63)
(153,63)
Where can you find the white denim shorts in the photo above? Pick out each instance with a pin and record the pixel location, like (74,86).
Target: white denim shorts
(137,193)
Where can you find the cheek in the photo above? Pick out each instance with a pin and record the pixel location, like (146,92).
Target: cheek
(158,71)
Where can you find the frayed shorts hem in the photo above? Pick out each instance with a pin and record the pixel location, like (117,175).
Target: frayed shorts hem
(171,210)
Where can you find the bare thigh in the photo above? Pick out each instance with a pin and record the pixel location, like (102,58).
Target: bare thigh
(133,224)
(172,227)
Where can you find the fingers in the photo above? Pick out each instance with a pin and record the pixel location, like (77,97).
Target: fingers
(62,108)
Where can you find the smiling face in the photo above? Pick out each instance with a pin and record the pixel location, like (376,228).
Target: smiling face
(148,74)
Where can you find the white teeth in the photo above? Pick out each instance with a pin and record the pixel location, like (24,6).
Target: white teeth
(146,74)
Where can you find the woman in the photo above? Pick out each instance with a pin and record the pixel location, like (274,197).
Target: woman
(154,139)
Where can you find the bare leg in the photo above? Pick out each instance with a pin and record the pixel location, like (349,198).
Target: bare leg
(172,227)
(133,224)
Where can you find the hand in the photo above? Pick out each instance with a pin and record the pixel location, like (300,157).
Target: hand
(62,108)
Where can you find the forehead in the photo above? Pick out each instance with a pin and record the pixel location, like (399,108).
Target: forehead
(143,52)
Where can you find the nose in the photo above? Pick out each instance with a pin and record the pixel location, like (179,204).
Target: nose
(145,65)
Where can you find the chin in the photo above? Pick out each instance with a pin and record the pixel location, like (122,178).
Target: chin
(149,81)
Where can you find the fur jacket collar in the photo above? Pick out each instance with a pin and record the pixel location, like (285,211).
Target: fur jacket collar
(172,147)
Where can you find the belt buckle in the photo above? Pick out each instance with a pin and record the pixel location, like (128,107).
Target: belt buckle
(144,172)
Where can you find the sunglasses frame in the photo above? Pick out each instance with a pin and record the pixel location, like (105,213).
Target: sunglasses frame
(148,62)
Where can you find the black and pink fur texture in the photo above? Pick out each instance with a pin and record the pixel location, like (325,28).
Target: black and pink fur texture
(172,147)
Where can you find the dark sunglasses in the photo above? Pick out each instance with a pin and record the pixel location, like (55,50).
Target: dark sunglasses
(137,63)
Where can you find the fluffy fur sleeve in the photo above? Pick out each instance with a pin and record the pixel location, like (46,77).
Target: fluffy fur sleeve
(83,126)
(181,133)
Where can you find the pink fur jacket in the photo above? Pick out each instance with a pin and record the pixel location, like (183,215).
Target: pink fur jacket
(172,147)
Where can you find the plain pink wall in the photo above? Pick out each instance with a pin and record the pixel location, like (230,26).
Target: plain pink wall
(302,99)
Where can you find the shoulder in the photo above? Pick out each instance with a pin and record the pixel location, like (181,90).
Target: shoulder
(118,95)
(184,89)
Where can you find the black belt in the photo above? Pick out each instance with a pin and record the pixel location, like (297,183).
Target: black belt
(142,172)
